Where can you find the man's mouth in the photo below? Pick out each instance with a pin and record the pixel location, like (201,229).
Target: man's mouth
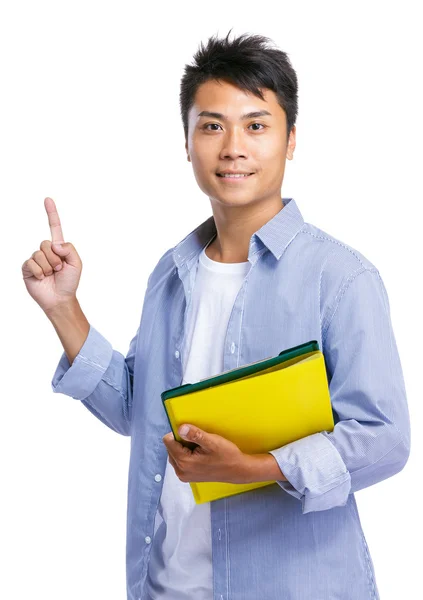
(235,176)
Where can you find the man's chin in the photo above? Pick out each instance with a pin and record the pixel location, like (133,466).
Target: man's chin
(232,199)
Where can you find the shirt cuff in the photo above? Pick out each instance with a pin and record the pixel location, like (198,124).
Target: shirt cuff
(81,378)
(315,471)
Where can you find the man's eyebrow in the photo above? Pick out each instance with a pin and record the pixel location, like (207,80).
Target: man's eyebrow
(251,115)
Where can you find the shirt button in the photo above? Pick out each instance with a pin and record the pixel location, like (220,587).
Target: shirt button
(233,347)
(147,539)
(177,353)
(158,477)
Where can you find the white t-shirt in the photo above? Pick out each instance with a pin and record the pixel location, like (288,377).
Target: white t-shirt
(180,566)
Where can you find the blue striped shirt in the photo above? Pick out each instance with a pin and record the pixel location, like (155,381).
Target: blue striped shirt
(299,539)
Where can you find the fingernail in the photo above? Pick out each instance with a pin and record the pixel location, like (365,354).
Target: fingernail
(58,267)
(184,429)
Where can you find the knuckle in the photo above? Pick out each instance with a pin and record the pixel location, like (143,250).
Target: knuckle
(36,269)
(55,261)
(40,257)
(53,258)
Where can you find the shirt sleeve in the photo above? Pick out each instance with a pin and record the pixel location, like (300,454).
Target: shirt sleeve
(371,438)
(102,379)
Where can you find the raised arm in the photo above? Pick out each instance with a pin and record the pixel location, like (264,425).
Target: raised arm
(89,369)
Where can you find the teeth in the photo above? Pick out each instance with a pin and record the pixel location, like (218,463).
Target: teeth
(234,174)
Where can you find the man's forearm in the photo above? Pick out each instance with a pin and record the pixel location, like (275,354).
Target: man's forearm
(71,326)
(262,467)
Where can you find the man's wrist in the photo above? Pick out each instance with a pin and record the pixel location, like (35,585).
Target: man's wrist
(262,467)
(65,310)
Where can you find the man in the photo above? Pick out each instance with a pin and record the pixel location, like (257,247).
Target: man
(249,282)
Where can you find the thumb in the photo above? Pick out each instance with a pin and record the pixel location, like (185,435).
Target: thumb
(194,434)
(68,253)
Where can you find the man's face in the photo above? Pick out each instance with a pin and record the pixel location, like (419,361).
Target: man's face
(256,144)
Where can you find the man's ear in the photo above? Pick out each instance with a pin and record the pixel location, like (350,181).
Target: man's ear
(291,143)
(186,149)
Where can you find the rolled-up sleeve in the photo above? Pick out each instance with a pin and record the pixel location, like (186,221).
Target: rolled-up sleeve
(371,438)
(101,378)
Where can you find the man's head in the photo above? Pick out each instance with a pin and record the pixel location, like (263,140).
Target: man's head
(231,79)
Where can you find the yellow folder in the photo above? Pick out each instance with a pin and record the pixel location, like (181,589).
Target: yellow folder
(259,407)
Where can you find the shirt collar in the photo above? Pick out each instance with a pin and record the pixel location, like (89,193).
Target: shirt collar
(275,235)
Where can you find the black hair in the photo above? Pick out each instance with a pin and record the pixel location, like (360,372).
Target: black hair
(247,63)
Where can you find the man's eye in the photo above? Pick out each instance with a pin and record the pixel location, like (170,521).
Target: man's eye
(211,125)
(258,124)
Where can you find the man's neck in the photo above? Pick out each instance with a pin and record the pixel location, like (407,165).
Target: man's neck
(235,226)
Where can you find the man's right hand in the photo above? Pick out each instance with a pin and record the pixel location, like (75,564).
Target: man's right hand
(52,274)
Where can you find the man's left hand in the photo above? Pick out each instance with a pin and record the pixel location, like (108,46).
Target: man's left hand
(214,459)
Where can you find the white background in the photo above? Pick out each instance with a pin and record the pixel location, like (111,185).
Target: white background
(89,115)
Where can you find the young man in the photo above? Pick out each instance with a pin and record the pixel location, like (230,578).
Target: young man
(249,282)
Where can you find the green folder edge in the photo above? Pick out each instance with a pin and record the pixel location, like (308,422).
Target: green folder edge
(232,375)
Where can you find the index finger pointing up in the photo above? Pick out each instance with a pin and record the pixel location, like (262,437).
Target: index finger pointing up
(53,220)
